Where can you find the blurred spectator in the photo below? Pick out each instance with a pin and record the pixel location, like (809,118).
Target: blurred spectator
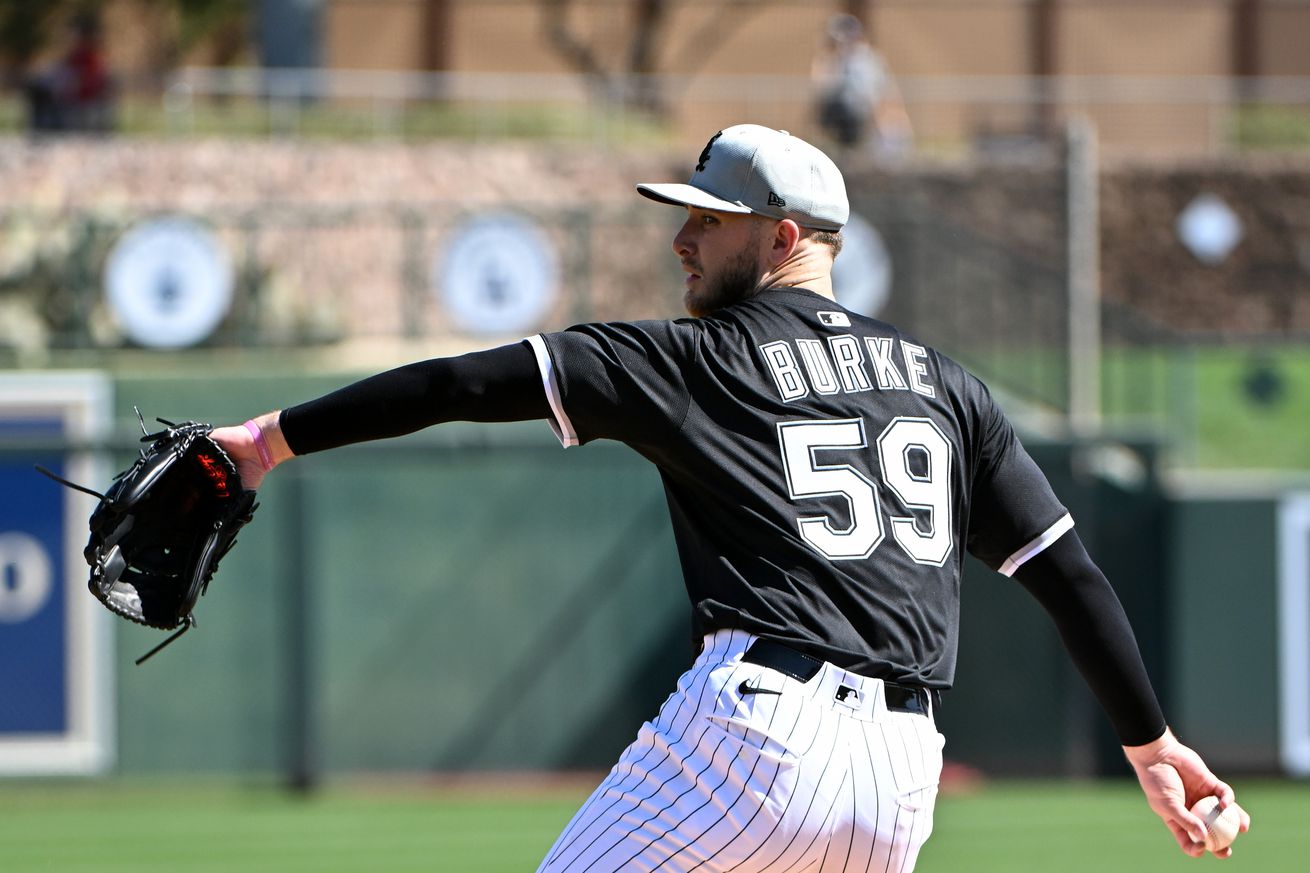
(76,92)
(858,102)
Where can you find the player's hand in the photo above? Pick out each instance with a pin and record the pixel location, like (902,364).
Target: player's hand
(240,447)
(1174,777)
(239,443)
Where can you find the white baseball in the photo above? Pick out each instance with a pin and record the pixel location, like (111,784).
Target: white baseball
(1221,826)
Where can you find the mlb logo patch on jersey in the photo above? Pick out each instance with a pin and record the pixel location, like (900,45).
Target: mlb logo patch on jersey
(834,319)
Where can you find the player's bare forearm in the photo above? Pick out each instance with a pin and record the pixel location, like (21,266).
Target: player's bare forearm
(1173,778)
(242,443)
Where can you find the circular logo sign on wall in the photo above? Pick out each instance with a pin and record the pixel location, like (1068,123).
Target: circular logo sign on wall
(169,283)
(497,275)
(25,576)
(862,273)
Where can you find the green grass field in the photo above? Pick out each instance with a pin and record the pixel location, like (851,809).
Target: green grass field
(206,826)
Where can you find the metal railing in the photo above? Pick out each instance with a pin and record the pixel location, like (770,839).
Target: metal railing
(1187,114)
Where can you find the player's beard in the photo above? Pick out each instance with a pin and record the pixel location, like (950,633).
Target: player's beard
(736,283)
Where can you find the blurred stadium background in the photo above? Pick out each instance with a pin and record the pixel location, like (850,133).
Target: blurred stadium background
(1104,211)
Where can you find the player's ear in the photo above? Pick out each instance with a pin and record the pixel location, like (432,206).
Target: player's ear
(786,236)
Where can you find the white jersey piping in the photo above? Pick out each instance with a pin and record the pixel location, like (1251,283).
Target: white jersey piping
(1036,546)
(559,423)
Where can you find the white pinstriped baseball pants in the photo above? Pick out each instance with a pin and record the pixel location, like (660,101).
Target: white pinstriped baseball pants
(785,778)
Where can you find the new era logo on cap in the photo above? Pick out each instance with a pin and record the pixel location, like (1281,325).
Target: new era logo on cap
(748,168)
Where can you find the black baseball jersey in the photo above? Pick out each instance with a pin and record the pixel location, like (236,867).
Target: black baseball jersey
(824,472)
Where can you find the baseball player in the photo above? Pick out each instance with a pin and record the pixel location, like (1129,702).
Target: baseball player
(825,475)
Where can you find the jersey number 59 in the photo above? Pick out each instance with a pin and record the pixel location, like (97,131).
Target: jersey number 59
(920,483)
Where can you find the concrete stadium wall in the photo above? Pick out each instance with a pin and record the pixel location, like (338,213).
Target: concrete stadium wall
(922,40)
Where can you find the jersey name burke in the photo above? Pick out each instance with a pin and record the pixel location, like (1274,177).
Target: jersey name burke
(847,364)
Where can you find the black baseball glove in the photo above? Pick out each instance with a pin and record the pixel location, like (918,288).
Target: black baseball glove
(161,528)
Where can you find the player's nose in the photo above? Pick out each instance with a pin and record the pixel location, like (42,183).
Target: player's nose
(683,244)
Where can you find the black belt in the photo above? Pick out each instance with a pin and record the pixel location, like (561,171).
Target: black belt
(798,665)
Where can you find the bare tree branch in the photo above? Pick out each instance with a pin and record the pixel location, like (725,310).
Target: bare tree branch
(648,27)
(700,45)
(636,83)
(575,52)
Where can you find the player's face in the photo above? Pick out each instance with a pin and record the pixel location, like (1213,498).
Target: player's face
(721,254)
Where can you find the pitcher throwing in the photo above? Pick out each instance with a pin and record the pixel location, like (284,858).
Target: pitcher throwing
(825,475)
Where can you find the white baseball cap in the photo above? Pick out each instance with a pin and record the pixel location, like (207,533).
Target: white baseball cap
(749,168)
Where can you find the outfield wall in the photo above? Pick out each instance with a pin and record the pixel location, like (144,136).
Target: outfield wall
(478,598)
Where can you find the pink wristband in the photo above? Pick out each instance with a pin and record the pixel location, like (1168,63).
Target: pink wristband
(261,445)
